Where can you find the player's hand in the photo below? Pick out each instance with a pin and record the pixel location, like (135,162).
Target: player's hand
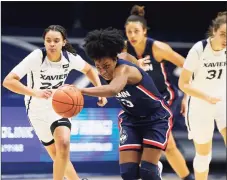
(44,94)
(213,100)
(183,105)
(144,63)
(102,101)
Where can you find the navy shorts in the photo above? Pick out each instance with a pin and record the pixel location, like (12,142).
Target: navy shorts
(151,131)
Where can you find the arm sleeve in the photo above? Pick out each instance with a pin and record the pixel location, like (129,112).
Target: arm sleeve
(77,62)
(29,63)
(192,60)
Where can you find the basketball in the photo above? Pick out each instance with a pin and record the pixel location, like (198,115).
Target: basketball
(67,101)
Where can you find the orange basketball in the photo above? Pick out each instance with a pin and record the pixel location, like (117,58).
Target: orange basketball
(67,101)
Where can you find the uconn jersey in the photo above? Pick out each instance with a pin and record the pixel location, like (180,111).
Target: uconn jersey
(146,118)
(208,67)
(45,74)
(157,71)
(142,99)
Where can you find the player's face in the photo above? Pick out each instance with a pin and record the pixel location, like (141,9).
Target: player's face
(54,42)
(135,33)
(106,67)
(220,36)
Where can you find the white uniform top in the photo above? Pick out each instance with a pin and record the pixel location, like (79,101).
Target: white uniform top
(209,69)
(44,74)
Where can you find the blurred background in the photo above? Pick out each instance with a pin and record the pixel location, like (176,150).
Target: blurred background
(94,140)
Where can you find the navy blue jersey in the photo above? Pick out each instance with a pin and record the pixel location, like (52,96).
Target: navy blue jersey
(157,71)
(141,99)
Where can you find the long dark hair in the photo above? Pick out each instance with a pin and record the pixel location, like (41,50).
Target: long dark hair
(68,47)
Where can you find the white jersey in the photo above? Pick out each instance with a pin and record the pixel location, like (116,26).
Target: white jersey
(44,74)
(208,67)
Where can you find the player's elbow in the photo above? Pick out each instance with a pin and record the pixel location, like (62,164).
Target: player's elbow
(114,91)
(6,82)
(9,80)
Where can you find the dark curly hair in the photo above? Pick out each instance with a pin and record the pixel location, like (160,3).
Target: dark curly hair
(104,43)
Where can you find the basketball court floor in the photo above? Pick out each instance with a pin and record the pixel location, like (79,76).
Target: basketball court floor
(97,177)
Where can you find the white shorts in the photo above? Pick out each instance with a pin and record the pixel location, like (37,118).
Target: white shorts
(201,117)
(44,122)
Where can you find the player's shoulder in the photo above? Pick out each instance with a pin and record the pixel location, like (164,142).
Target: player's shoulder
(124,65)
(35,56)
(199,45)
(37,52)
(73,57)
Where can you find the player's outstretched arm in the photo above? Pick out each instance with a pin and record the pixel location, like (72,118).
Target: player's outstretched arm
(92,75)
(116,85)
(82,66)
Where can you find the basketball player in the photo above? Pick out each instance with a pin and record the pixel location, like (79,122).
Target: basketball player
(46,70)
(145,121)
(204,79)
(152,55)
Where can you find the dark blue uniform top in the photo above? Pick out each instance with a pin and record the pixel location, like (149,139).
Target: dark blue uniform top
(141,99)
(157,71)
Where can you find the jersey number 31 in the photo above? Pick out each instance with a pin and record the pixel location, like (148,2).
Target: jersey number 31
(214,74)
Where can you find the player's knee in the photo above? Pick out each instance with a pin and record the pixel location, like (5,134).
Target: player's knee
(62,148)
(201,163)
(149,171)
(129,171)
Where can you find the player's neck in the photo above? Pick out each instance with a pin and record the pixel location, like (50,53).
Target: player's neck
(214,45)
(54,58)
(140,48)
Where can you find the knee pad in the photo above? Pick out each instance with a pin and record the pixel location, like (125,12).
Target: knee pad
(201,163)
(129,171)
(149,171)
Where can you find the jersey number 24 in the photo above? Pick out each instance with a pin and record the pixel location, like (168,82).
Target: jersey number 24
(47,85)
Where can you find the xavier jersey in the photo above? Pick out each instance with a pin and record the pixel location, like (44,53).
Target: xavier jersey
(157,71)
(208,67)
(142,99)
(45,74)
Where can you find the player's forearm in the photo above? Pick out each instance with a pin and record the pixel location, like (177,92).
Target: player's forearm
(179,60)
(16,86)
(101,91)
(128,57)
(189,90)
(93,77)
(185,96)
